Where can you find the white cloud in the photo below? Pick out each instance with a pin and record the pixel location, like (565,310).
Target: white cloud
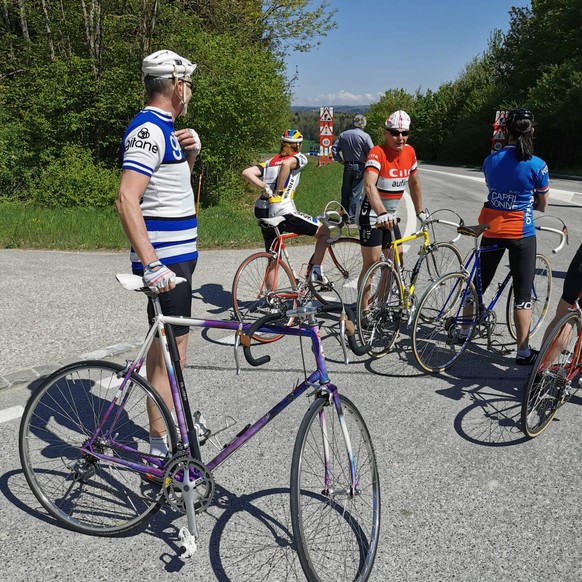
(342,97)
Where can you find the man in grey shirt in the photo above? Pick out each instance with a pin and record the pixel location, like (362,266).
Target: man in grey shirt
(351,149)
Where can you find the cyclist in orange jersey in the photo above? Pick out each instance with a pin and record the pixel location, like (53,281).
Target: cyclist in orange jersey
(389,169)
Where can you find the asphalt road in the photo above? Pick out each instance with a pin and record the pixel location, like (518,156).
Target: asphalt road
(464,496)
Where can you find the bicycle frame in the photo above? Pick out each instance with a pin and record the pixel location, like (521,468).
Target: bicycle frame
(472,269)
(394,256)
(576,362)
(278,249)
(318,380)
(475,274)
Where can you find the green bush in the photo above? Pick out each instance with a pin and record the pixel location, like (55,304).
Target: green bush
(15,161)
(74,179)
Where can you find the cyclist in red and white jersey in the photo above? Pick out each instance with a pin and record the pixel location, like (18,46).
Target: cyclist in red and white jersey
(278,178)
(389,169)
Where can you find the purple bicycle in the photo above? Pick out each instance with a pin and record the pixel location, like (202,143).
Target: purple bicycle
(84,449)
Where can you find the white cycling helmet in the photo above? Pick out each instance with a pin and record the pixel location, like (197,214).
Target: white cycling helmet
(167,65)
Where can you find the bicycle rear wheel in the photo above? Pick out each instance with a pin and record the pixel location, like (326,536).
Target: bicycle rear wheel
(336,529)
(440,259)
(342,266)
(554,376)
(442,327)
(261,286)
(84,493)
(380,312)
(540,297)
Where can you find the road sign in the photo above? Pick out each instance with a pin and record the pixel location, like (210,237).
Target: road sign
(325,135)
(499,139)
(326,114)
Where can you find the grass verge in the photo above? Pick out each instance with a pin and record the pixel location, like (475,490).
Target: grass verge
(231,224)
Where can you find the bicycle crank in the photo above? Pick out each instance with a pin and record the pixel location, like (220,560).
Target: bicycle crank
(187,482)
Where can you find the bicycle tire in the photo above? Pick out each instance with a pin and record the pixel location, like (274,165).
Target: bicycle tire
(439,259)
(83,493)
(342,265)
(541,295)
(336,535)
(550,382)
(380,315)
(440,331)
(251,300)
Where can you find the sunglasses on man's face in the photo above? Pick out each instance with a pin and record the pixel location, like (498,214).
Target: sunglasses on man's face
(396,132)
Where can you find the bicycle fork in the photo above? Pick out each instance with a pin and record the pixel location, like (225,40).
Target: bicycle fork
(328,490)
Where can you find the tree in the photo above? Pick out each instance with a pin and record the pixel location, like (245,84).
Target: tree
(70,75)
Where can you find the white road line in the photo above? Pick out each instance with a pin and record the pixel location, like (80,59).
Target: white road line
(475,178)
(11,413)
(227,341)
(555,193)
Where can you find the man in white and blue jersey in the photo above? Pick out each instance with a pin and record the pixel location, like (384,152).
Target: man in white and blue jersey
(156,205)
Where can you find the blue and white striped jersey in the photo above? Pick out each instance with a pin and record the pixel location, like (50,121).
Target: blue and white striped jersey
(150,147)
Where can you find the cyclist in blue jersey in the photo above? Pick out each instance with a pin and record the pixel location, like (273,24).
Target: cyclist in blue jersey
(518,183)
(156,206)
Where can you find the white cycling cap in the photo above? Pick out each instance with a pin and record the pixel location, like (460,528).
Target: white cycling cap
(168,65)
(398,120)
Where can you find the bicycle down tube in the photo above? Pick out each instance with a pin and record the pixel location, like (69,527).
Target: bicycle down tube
(177,385)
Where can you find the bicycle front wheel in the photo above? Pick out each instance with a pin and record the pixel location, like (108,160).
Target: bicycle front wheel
(263,285)
(541,293)
(439,259)
(79,404)
(342,266)
(554,376)
(336,528)
(444,322)
(380,308)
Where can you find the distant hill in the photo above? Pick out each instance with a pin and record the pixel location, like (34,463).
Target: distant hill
(336,108)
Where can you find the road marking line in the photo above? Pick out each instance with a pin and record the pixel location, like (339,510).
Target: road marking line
(555,193)
(11,413)
(475,178)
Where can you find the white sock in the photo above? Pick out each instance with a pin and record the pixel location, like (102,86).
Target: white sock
(159,446)
(317,269)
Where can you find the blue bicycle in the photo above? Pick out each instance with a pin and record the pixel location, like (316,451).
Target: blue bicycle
(452,310)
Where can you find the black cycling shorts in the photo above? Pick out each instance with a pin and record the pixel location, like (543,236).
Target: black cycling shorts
(522,263)
(298,223)
(573,281)
(370,236)
(178,301)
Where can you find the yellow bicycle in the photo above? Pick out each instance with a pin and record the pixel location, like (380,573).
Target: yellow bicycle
(387,293)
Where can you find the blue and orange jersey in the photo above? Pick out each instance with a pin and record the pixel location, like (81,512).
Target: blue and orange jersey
(512,184)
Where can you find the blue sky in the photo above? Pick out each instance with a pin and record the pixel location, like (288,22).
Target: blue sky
(382,44)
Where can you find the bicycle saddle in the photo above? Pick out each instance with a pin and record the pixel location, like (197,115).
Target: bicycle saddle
(475,231)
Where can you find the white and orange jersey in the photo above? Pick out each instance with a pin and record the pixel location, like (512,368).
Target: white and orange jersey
(393,169)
